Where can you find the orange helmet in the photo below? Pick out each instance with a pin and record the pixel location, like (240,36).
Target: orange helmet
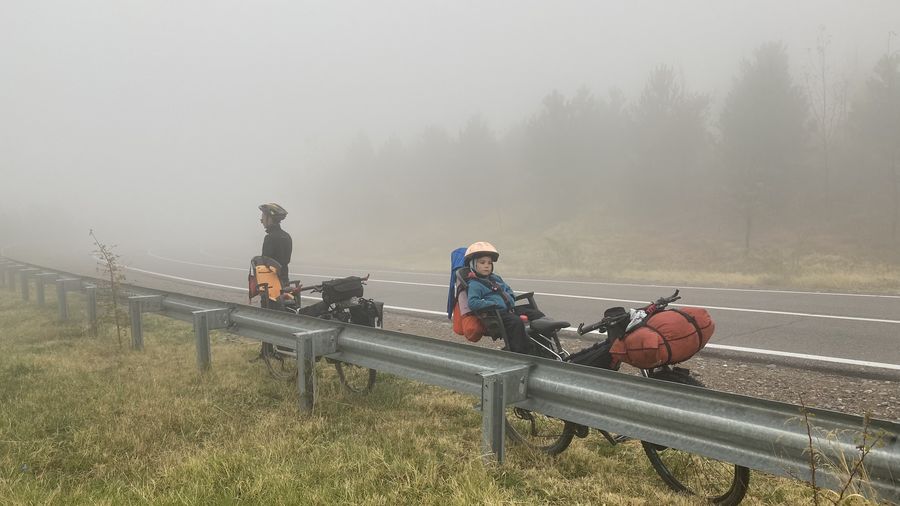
(481,248)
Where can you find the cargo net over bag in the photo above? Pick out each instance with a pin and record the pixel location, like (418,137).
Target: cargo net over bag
(666,337)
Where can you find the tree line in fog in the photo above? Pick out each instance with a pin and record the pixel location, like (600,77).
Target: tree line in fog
(787,152)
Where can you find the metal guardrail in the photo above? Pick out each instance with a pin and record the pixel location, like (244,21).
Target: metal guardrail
(761,434)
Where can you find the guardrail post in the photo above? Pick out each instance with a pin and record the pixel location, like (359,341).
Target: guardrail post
(39,281)
(137,334)
(61,300)
(137,305)
(499,388)
(306,377)
(63,285)
(91,292)
(309,344)
(24,274)
(5,266)
(204,321)
(23,281)
(11,277)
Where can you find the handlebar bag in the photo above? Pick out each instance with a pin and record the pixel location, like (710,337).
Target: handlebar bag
(666,337)
(337,290)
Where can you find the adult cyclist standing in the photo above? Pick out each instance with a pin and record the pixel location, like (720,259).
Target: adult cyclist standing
(277,244)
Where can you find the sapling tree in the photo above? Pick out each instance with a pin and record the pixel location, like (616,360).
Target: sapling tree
(115,275)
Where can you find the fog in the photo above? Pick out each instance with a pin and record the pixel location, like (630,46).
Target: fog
(393,132)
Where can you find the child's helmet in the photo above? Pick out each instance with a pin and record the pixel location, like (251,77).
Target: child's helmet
(273,210)
(481,248)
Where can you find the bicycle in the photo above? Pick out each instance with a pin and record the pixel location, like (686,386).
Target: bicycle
(342,300)
(719,482)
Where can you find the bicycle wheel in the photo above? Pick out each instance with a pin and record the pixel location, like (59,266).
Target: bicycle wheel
(719,482)
(538,432)
(281,363)
(356,379)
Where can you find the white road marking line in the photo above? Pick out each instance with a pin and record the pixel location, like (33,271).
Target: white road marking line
(293,273)
(761,351)
(598,283)
(607,299)
(755,290)
(804,356)
(187,280)
(723,308)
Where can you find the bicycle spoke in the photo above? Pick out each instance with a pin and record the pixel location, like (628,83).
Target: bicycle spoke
(355,378)
(537,431)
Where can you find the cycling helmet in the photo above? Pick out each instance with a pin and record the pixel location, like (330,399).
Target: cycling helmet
(273,210)
(481,248)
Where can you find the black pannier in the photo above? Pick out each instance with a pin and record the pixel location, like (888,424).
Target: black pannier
(597,355)
(338,290)
(368,312)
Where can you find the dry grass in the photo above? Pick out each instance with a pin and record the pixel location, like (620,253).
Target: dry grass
(584,252)
(83,423)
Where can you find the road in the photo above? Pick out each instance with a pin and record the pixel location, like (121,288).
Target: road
(851,327)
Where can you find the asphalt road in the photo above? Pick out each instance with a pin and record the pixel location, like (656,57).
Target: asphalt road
(844,326)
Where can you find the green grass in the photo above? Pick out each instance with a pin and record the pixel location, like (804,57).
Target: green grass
(82,422)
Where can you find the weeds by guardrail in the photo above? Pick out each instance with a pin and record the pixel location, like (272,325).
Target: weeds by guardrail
(115,275)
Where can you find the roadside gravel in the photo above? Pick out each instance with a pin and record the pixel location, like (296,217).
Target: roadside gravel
(836,392)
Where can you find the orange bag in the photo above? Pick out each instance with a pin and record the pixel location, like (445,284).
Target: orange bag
(469,325)
(666,337)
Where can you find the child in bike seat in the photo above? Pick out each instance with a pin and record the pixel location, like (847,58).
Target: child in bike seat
(487,291)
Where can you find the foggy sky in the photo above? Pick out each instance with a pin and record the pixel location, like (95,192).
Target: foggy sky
(180,112)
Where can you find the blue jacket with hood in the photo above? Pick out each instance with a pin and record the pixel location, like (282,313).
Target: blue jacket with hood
(482,296)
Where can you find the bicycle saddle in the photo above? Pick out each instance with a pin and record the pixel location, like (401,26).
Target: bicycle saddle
(544,325)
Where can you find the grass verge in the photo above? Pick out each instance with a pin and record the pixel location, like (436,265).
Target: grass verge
(83,423)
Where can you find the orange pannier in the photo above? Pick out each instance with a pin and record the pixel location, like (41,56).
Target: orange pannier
(467,325)
(666,337)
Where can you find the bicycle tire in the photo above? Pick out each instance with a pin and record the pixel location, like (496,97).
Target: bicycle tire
(719,482)
(537,431)
(281,366)
(354,378)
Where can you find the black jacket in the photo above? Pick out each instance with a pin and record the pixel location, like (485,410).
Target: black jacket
(278,246)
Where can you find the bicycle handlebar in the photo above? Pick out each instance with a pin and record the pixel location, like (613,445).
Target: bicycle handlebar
(582,329)
(651,308)
(665,301)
